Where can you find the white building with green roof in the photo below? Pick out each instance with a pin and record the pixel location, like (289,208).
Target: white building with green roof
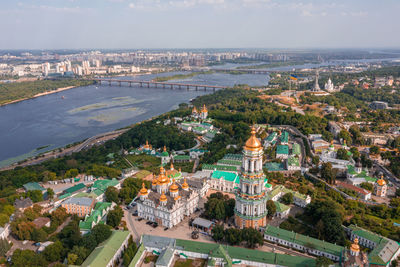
(224,181)
(97,216)
(300,200)
(293,163)
(356,175)
(109,251)
(383,250)
(282,151)
(304,243)
(215,254)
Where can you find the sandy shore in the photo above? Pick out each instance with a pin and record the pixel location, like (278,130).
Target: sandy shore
(40,94)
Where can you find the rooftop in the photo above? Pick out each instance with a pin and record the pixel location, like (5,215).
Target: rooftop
(282,149)
(81,201)
(104,253)
(33,186)
(228,176)
(75,188)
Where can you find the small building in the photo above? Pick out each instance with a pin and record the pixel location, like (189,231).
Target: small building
(284,138)
(32,186)
(182,158)
(202,224)
(74,189)
(98,214)
(282,151)
(108,252)
(81,206)
(23,203)
(380,188)
(298,199)
(270,140)
(41,222)
(282,210)
(293,164)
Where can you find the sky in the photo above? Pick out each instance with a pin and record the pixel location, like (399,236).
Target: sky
(137,24)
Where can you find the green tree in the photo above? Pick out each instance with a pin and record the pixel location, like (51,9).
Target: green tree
(323,262)
(72,258)
(327,173)
(114,216)
(4,218)
(374,150)
(367,186)
(101,232)
(271,208)
(50,193)
(287,199)
(38,235)
(252,237)
(81,253)
(218,232)
(233,236)
(355,152)
(111,194)
(35,195)
(71,173)
(8,209)
(4,247)
(23,258)
(54,252)
(215,209)
(342,154)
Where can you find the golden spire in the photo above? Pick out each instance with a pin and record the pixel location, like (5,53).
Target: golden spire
(162,178)
(165,149)
(172,166)
(204,109)
(180,169)
(381,181)
(253,143)
(194,110)
(147,146)
(355,247)
(143,191)
(163,197)
(185,184)
(174,187)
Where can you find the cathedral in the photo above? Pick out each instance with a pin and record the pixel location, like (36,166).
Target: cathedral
(167,202)
(202,115)
(251,196)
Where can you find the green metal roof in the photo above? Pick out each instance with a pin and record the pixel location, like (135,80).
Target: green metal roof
(271,137)
(104,253)
(282,149)
(274,166)
(32,186)
(229,162)
(281,207)
(228,176)
(75,188)
(296,149)
(104,184)
(228,253)
(182,157)
(219,167)
(137,256)
(237,157)
(64,196)
(304,240)
(284,137)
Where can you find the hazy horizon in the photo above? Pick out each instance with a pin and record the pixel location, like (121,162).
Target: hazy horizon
(198,24)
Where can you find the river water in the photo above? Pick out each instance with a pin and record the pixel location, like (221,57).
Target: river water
(66,117)
(37,125)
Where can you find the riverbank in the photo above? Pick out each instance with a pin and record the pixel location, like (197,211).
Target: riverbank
(181,76)
(40,94)
(17,92)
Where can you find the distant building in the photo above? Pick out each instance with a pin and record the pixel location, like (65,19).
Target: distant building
(298,199)
(23,203)
(329,86)
(282,151)
(380,188)
(378,105)
(41,222)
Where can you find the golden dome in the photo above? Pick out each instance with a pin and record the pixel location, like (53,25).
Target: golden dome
(163,198)
(194,110)
(381,182)
(172,166)
(162,178)
(185,184)
(147,146)
(355,247)
(253,143)
(165,149)
(174,187)
(143,191)
(204,109)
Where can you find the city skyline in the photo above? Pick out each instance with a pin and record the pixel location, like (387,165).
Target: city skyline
(128,24)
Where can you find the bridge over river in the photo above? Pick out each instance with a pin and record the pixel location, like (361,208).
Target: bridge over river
(165,85)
